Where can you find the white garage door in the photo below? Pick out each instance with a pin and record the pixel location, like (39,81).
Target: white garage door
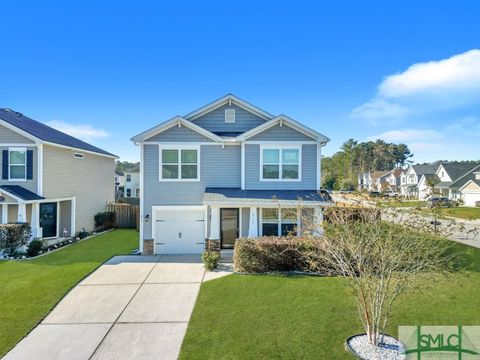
(179,232)
(471,197)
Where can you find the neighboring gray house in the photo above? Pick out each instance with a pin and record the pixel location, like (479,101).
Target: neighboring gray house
(449,173)
(52,180)
(226,170)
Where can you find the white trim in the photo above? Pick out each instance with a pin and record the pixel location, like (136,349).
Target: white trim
(288,122)
(233,119)
(281,147)
(279,219)
(19,131)
(274,142)
(226,142)
(40,169)
(166,146)
(176,121)
(242,167)
(19,145)
(268,203)
(73,214)
(142,210)
(17,149)
(468,183)
(4,213)
(319,166)
(228,99)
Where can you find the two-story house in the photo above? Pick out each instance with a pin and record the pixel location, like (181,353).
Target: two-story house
(52,180)
(132,183)
(410,180)
(394,179)
(224,171)
(448,173)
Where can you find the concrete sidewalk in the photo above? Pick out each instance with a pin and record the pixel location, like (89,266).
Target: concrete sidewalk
(132,307)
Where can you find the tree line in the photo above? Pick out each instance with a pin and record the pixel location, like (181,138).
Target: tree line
(341,170)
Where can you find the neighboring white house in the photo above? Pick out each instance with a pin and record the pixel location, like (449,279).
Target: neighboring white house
(132,183)
(411,178)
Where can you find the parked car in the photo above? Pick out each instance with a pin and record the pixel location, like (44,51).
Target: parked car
(439,202)
(374,194)
(391,194)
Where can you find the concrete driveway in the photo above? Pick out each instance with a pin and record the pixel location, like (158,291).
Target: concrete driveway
(132,307)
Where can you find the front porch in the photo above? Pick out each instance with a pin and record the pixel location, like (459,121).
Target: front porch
(50,219)
(235,213)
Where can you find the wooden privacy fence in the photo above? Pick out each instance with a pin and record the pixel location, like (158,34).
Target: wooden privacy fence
(126,216)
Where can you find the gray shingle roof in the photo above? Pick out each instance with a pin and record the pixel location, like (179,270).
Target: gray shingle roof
(455,170)
(46,133)
(464,179)
(236,194)
(21,192)
(422,169)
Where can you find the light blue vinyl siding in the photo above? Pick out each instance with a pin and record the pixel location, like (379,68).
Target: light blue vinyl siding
(281,133)
(218,168)
(215,120)
(309,170)
(179,134)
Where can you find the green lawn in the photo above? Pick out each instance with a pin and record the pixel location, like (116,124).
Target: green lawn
(288,317)
(468,213)
(413,203)
(30,289)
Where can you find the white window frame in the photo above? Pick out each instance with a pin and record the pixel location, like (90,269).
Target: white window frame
(17,149)
(179,148)
(279,221)
(280,148)
(127,177)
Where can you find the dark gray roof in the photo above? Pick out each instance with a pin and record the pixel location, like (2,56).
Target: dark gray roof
(455,170)
(46,133)
(464,179)
(422,169)
(236,193)
(21,192)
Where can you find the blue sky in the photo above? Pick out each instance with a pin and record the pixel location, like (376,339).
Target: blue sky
(405,71)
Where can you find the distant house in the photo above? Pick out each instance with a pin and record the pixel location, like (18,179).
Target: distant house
(132,183)
(411,178)
(470,190)
(394,179)
(373,181)
(119,183)
(53,181)
(448,173)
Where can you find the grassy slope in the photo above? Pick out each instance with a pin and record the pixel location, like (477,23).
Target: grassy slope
(30,289)
(277,317)
(468,213)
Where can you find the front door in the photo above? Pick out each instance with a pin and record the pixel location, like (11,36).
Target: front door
(228,227)
(48,219)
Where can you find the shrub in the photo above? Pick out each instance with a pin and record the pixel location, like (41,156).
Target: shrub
(210,260)
(82,234)
(104,220)
(35,247)
(277,254)
(12,236)
(477,203)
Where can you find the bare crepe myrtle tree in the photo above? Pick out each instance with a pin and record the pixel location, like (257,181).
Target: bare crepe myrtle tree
(381,259)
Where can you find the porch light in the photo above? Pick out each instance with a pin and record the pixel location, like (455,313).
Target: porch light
(147,217)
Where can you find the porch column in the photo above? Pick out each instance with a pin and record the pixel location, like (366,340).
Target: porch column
(253,226)
(317,221)
(215,224)
(34,222)
(22,212)
(4,213)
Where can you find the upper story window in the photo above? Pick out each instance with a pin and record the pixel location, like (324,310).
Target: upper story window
(129,178)
(179,163)
(411,179)
(230,116)
(17,164)
(280,163)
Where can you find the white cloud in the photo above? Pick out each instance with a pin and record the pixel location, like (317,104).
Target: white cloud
(377,110)
(425,87)
(82,131)
(457,73)
(408,135)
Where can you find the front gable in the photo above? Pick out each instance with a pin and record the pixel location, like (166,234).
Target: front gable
(9,136)
(442,174)
(214,120)
(470,185)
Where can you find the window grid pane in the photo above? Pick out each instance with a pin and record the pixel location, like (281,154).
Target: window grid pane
(271,171)
(189,156)
(169,156)
(270,216)
(170,171)
(289,215)
(189,171)
(290,172)
(271,156)
(17,157)
(290,156)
